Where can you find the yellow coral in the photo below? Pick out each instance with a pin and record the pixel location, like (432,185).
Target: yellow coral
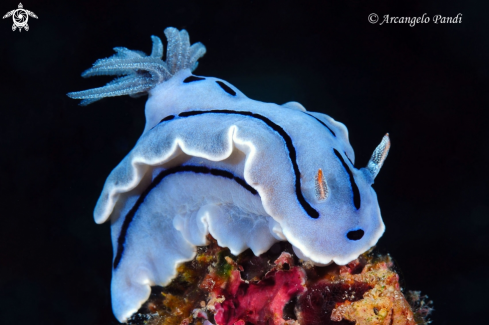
(384,304)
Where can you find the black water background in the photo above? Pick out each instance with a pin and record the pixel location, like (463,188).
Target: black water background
(427,85)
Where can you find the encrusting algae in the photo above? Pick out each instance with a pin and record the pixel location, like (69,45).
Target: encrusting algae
(277,288)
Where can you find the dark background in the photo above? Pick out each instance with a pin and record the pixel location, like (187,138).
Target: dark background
(427,85)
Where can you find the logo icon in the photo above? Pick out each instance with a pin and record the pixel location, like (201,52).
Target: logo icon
(20,17)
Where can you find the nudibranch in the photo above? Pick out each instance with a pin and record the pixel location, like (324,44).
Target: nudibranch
(213,161)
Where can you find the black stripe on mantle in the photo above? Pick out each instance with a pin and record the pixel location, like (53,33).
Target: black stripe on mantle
(354,187)
(288,142)
(157,180)
(324,124)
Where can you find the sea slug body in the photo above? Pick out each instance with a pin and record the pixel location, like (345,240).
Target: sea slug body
(213,161)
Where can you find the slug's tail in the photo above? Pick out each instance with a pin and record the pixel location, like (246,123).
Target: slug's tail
(140,72)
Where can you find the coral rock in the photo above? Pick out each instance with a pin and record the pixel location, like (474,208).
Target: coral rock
(384,304)
(222,289)
(262,302)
